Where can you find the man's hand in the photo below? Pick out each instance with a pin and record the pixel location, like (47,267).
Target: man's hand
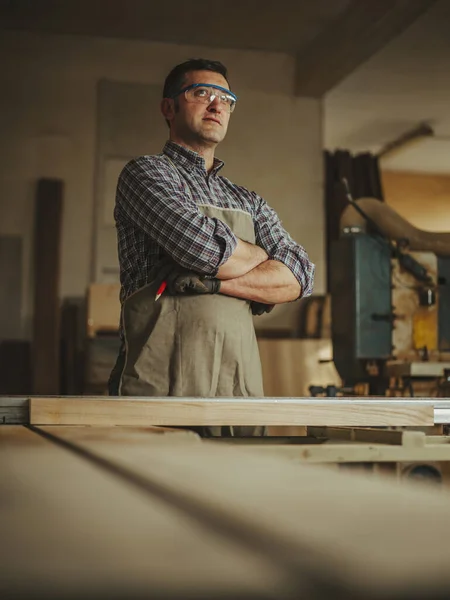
(259,308)
(181,281)
(192,283)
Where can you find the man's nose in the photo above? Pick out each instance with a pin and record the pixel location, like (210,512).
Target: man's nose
(215,105)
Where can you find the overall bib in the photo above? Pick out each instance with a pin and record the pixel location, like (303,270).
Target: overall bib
(193,346)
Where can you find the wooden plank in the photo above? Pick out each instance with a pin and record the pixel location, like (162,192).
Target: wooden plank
(358,434)
(354,453)
(345,535)
(71,529)
(365,434)
(351,39)
(47,234)
(125,435)
(226,411)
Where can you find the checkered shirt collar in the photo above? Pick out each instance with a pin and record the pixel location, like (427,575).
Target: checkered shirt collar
(188,159)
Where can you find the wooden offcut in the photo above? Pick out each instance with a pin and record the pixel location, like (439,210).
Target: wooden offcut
(226,411)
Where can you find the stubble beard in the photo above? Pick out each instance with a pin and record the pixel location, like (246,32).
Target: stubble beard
(196,134)
(207,137)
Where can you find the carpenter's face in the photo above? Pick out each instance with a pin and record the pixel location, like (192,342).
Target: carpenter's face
(200,113)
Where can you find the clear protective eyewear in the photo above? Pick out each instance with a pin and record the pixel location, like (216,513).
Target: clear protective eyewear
(205,93)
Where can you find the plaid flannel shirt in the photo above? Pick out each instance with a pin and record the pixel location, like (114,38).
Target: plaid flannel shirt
(156,212)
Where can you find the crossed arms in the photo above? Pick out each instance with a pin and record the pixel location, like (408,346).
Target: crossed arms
(250,274)
(272,271)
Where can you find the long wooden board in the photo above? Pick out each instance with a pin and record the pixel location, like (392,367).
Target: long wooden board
(227,411)
(354,453)
(344,535)
(71,529)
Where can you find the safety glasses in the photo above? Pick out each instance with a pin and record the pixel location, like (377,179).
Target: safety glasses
(205,93)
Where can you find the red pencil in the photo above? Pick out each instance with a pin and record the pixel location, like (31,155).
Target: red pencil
(160,291)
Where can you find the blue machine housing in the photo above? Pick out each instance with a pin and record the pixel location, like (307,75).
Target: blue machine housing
(361,306)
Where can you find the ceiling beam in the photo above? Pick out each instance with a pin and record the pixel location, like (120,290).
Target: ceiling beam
(351,39)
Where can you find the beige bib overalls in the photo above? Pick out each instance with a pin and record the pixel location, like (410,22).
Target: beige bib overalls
(193,346)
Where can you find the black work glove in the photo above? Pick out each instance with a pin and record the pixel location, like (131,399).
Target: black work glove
(182,281)
(193,283)
(259,308)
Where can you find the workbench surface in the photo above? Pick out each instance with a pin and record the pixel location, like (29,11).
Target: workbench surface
(127,512)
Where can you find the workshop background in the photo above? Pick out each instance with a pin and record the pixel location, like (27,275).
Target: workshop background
(80,97)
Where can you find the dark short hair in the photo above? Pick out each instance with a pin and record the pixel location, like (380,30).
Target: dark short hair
(175,79)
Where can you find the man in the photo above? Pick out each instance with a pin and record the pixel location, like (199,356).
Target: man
(219,248)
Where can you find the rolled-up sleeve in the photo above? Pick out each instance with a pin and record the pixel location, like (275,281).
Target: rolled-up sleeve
(156,202)
(279,245)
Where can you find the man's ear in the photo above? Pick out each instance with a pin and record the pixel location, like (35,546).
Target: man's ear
(168,108)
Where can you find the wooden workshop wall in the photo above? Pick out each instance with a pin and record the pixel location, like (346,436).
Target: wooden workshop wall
(49,109)
(421,198)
